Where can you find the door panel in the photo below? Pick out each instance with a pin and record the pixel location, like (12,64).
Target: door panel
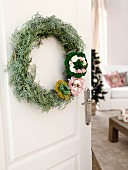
(37,131)
(32,140)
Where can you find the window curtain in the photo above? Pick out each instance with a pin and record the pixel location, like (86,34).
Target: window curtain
(99,28)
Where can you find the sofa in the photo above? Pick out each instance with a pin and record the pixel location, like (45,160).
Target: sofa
(117,97)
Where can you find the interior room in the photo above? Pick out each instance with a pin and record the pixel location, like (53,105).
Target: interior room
(45,82)
(44,67)
(110,84)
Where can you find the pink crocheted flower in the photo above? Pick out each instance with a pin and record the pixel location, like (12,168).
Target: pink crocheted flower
(83,70)
(76,85)
(78,71)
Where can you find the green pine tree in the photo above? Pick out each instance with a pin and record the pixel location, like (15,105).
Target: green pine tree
(96,81)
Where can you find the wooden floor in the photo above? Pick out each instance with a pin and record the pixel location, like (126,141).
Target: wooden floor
(95,164)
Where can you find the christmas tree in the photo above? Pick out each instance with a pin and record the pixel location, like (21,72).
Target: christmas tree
(97,83)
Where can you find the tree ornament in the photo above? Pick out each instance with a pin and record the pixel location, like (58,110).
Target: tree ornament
(100,95)
(95,80)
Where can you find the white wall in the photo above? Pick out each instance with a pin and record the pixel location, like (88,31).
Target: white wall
(117,36)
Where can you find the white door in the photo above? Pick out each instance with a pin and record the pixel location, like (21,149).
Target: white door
(30,140)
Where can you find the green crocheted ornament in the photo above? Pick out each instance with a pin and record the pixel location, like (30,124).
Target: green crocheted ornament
(76,64)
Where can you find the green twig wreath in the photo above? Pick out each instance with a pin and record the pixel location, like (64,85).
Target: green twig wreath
(22,73)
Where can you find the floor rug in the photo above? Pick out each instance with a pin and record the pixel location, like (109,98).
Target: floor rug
(111,156)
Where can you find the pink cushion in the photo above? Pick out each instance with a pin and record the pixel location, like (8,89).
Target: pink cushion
(123,77)
(113,79)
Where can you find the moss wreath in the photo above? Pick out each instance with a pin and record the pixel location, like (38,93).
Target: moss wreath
(22,72)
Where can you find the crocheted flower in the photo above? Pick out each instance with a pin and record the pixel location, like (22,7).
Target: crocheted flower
(72,69)
(74,58)
(76,64)
(62,89)
(76,85)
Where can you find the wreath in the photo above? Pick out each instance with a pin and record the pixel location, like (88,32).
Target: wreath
(22,72)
